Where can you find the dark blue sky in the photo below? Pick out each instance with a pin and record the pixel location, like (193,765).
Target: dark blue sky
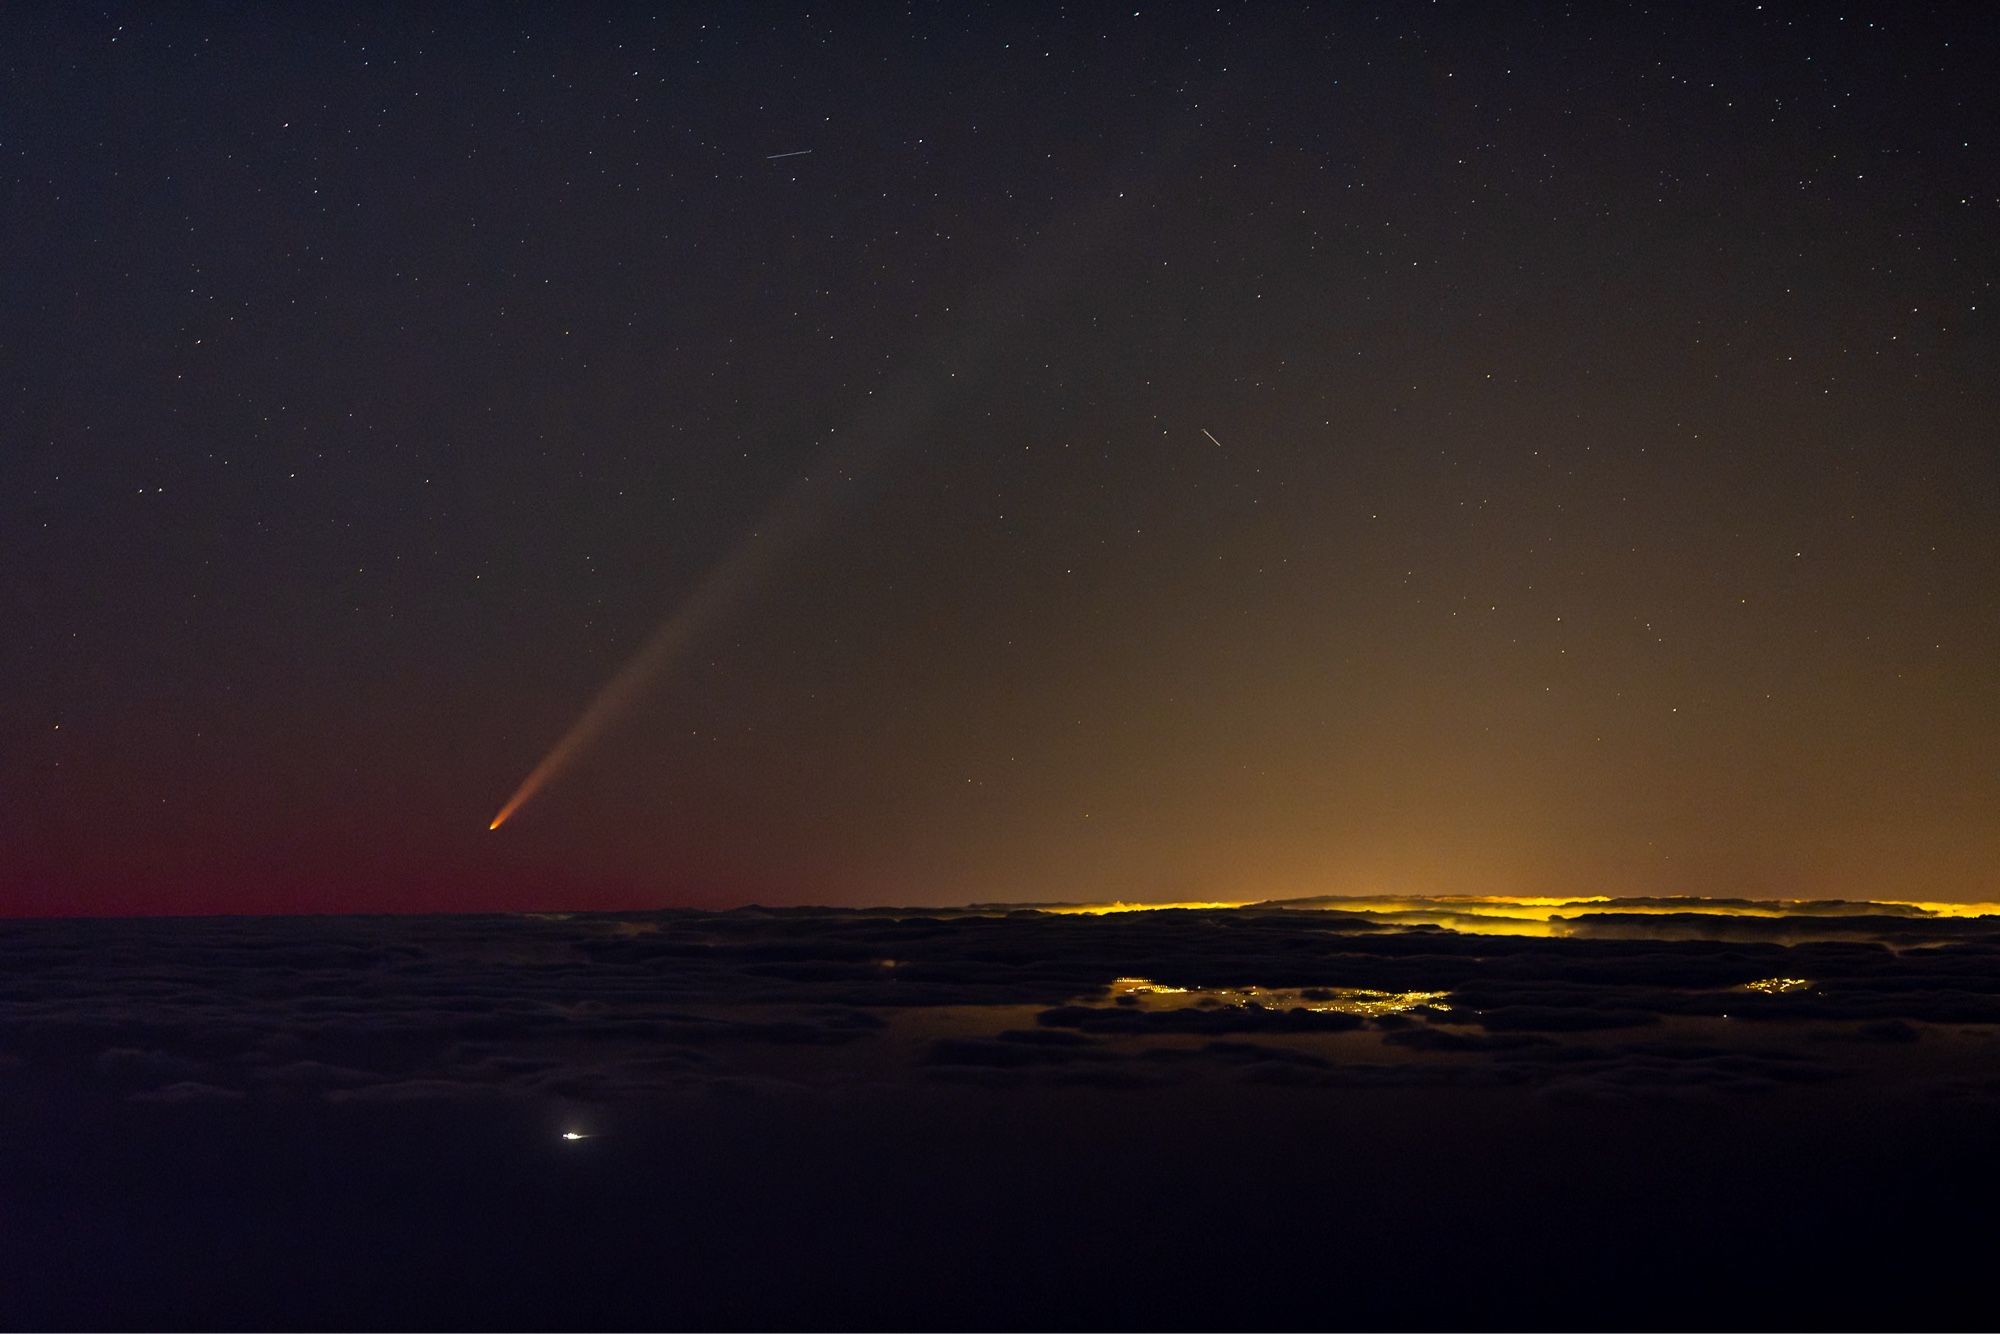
(1407,448)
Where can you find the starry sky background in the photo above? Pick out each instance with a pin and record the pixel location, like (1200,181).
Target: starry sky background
(1602,494)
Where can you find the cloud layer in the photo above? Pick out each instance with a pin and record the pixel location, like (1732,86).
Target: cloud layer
(611,1008)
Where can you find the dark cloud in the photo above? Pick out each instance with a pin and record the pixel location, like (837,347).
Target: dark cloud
(1554,1019)
(1206,1089)
(1006,1055)
(135,1066)
(1442,1040)
(189,1090)
(422,1090)
(618,1007)
(1194,1019)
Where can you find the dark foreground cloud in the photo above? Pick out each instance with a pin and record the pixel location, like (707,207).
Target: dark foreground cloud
(945,1111)
(612,1008)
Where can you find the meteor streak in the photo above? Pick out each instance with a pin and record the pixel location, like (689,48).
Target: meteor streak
(1211,439)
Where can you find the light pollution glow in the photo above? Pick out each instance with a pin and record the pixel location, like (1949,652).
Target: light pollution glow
(1102,909)
(1547,914)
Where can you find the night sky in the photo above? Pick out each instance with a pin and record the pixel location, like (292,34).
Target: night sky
(1256,451)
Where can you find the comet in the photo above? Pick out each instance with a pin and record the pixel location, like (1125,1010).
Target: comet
(784,527)
(906,413)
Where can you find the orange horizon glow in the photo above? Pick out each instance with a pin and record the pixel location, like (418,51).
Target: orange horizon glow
(1531,915)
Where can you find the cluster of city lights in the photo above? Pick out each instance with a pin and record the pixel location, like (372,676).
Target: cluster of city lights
(1340,1000)
(1778,986)
(1545,915)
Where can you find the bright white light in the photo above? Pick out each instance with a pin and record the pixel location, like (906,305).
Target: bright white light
(573,1134)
